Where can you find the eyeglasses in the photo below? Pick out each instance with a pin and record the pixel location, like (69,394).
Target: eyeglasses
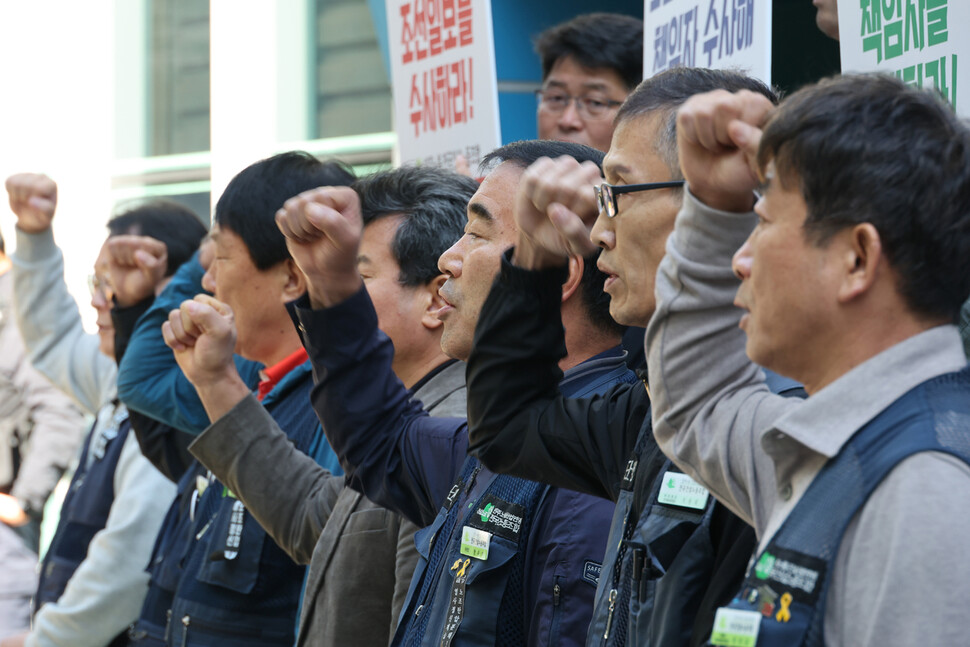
(556,101)
(100,285)
(606,193)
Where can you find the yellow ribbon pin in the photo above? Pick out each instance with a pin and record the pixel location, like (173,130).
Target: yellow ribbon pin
(784,615)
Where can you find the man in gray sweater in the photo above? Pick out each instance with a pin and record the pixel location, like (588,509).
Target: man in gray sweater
(91,596)
(847,274)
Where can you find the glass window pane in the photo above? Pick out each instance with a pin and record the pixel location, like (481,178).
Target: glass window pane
(179,73)
(353,95)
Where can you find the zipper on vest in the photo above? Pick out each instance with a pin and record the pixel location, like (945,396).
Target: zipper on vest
(609,617)
(556,614)
(168,624)
(186,621)
(417,611)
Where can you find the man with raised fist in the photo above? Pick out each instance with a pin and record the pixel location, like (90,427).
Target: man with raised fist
(93,575)
(846,271)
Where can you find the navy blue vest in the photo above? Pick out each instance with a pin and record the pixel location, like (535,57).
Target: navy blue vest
(785,587)
(168,560)
(465,600)
(86,506)
(458,599)
(238,587)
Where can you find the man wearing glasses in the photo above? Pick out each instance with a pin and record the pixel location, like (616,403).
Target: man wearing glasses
(665,572)
(589,66)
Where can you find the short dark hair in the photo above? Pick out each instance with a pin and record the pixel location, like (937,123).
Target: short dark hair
(596,40)
(667,91)
(170,222)
(523,154)
(432,202)
(866,148)
(249,204)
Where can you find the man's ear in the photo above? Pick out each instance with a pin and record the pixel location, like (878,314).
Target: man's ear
(576,266)
(294,281)
(432,302)
(862,256)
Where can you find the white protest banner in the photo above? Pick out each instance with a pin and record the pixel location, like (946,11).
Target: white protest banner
(920,41)
(708,33)
(443,79)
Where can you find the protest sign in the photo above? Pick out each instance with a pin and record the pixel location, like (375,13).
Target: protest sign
(708,33)
(443,80)
(920,41)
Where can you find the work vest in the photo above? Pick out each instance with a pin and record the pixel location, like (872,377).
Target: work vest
(87,504)
(458,598)
(782,600)
(665,547)
(659,558)
(168,560)
(468,585)
(238,587)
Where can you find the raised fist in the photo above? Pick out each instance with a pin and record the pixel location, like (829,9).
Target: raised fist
(323,228)
(33,198)
(202,334)
(717,137)
(554,207)
(136,265)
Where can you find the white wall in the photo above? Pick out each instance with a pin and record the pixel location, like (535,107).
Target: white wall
(56,117)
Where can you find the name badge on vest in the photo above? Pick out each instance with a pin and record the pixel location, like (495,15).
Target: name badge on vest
(735,628)
(474,542)
(682,491)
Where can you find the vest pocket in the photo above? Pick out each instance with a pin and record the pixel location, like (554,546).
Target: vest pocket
(57,572)
(485,586)
(233,548)
(678,554)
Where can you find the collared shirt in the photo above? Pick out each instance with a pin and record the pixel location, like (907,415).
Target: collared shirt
(273,374)
(815,430)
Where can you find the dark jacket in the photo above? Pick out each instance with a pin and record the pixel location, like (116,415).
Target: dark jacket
(361,555)
(519,424)
(403,459)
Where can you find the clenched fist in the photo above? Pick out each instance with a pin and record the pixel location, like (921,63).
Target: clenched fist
(717,138)
(323,228)
(554,206)
(33,198)
(136,265)
(202,334)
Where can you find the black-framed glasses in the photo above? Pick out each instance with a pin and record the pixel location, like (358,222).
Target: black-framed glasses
(606,193)
(556,101)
